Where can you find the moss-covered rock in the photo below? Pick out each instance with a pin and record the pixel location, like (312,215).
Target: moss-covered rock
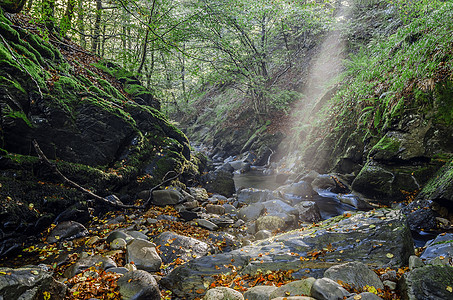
(440,187)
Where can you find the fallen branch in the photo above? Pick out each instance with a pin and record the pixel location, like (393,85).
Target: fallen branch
(116,204)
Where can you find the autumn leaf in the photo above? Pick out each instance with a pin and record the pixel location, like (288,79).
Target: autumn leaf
(389,255)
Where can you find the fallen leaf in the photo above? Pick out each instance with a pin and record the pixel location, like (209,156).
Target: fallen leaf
(389,255)
(357,297)
(450,289)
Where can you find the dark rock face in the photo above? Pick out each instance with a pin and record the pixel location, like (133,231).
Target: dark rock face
(220,182)
(29,283)
(67,230)
(429,282)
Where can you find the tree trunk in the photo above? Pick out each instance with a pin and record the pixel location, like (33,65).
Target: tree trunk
(97,27)
(81,24)
(48,13)
(12,6)
(65,23)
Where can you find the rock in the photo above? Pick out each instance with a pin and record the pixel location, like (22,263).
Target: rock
(188,215)
(352,238)
(167,217)
(118,270)
(67,230)
(206,224)
(295,288)
(270,223)
(415,262)
(138,285)
(440,187)
(429,282)
(252,195)
(281,178)
(441,246)
(223,293)
(222,221)
(294,298)
(356,274)
(191,204)
(215,209)
(166,197)
(173,246)
(92,240)
(144,255)
(308,211)
(219,182)
(29,283)
(199,194)
(365,296)
(354,201)
(117,234)
(327,289)
(280,209)
(390,284)
(310,176)
(323,182)
(301,189)
(118,244)
(260,292)
(251,212)
(225,241)
(138,235)
(98,261)
(229,209)
(263,234)
(420,215)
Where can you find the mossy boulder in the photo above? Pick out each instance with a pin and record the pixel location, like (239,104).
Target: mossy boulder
(440,187)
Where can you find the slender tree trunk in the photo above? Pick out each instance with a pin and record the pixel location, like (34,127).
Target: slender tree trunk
(103,40)
(48,13)
(65,23)
(97,27)
(145,44)
(81,24)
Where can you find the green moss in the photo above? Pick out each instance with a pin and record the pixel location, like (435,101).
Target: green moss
(440,185)
(41,46)
(387,148)
(109,89)
(443,96)
(19,115)
(7,31)
(67,90)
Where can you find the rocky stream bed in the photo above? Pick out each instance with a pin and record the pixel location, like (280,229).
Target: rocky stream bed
(307,239)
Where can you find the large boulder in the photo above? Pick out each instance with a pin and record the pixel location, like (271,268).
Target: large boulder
(441,248)
(138,285)
(67,230)
(379,237)
(223,293)
(29,283)
(251,195)
(144,255)
(174,246)
(429,282)
(220,182)
(98,261)
(308,211)
(355,274)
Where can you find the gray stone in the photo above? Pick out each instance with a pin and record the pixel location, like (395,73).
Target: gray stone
(261,292)
(390,284)
(191,204)
(279,208)
(308,211)
(251,212)
(252,195)
(67,230)
(206,224)
(270,223)
(222,221)
(323,182)
(351,238)
(118,234)
(118,270)
(223,293)
(302,189)
(263,234)
(138,235)
(144,255)
(215,209)
(294,298)
(166,197)
(118,244)
(295,288)
(366,296)
(29,283)
(219,182)
(441,246)
(415,262)
(429,282)
(229,209)
(327,289)
(356,274)
(98,261)
(173,246)
(138,285)
(354,201)
(200,194)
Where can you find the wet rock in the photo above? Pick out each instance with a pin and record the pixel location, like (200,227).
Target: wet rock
(229,209)
(167,217)
(118,244)
(270,223)
(118,234)
(206,224)
(295,288)
(441,246)
(215,209)
(263,234)
(323,182)
(226,241)
(219,182)
(138,235)
(173,246)
(67,230)
(29,283)
(356,274)
(308,211)
(280,209)
(222,221)
(138,285)
(351,238)
(261,292)
(98,261)
(281,178)
(440,187)
(429,282)
(188,215)
(223,293)
(327,289)
(365,296)
(302,189)
(354,201)
(144,255)
(251,212)
(420,215)
(166,197)
(252,195)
